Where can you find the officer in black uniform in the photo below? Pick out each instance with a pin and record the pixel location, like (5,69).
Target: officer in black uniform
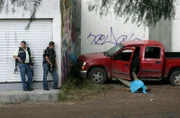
(24,60)
(49,65)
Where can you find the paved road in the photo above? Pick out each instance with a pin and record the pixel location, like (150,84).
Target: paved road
(163,101)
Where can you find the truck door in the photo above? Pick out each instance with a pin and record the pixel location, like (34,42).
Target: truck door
(152,62)
(121,63)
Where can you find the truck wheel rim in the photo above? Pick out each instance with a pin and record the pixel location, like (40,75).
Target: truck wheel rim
(97,77)
(177,79)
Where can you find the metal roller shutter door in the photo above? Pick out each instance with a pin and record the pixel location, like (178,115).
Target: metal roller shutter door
(12,32)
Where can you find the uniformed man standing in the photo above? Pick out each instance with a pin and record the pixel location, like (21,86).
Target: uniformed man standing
(49,65)
(24,60)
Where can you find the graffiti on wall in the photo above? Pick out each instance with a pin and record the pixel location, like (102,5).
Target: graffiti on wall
(112,38)
(68,40)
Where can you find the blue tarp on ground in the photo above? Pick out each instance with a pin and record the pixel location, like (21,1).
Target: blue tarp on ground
(136,85)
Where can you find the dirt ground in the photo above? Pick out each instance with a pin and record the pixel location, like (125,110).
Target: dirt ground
(163,101)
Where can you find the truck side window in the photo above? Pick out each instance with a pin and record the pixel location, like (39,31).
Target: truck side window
(153,52)
(124,55)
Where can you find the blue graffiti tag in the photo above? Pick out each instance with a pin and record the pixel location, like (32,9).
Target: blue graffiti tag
(102,39)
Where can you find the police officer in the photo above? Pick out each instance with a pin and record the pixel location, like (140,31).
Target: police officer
(49,65)
(24,60)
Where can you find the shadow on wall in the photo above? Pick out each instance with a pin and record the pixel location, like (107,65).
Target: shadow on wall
(68,50)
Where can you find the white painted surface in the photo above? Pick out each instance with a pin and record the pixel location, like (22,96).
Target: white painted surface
(12,32)
(107,26)
(176,29)
(49,9)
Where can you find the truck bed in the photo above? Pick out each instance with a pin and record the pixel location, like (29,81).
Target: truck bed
(171,62)
(172,54)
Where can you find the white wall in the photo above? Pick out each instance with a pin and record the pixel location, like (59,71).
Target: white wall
(107,26)
(176,28)
(49,9)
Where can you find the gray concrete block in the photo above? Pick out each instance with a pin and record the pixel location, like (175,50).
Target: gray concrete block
(19,96)
(18,86)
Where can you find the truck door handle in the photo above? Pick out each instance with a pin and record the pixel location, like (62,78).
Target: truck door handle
(158,62)
(126,64)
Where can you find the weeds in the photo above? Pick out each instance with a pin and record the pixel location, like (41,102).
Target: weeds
(76,89)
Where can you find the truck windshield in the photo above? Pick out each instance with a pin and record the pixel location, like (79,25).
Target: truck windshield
(113,50)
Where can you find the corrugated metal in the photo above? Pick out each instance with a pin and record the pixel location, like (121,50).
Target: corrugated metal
(12,32)
(102,33)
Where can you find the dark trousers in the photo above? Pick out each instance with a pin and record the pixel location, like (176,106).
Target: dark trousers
(46,69)
(25,69)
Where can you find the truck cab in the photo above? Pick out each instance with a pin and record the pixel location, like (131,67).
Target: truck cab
(147,58)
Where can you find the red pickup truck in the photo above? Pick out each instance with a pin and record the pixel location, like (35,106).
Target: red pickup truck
(148,59)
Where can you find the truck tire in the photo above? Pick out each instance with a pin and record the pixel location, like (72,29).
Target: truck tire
(175,78)
(97,75)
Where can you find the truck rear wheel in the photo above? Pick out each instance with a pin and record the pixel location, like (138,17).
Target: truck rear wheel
(175,78)
(97,75)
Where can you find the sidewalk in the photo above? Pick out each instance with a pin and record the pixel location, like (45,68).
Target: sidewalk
(37,95)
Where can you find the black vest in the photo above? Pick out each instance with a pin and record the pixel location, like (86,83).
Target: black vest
(22,55)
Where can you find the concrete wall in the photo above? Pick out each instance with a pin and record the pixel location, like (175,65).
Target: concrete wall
(77,24)
(102,33)
(176,28)
(162,32)
(49,9)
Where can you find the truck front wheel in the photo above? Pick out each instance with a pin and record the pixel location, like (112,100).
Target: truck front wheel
(175,78)
(97,75)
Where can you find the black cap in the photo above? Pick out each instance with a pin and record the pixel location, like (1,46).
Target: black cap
(51,43)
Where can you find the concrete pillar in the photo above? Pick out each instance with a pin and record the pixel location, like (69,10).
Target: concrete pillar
(176,28)
(162,32)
